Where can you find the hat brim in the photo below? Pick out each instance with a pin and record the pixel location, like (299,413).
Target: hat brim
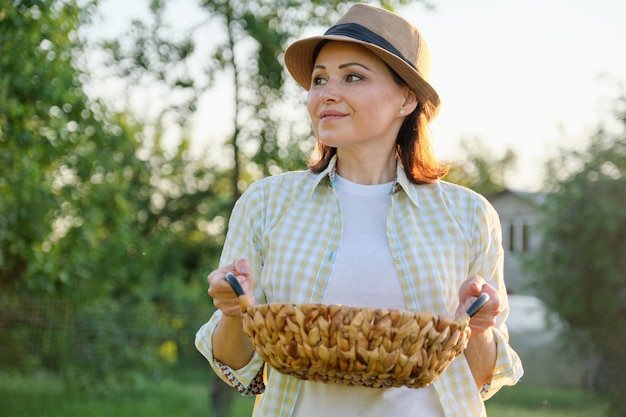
(299,63)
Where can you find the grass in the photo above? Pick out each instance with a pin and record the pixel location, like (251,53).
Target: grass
(43,396)
(526,400)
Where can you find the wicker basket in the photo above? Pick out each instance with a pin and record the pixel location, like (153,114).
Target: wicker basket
(354,346)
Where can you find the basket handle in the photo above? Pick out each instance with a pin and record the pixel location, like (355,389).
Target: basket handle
(244,301)
(476,305)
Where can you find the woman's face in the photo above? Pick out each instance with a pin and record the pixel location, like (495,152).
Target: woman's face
(354,101)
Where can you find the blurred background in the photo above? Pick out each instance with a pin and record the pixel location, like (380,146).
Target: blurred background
(129,129)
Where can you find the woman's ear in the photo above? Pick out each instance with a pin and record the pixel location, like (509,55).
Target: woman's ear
(410,102)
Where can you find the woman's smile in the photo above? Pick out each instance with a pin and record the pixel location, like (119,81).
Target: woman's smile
(331,115)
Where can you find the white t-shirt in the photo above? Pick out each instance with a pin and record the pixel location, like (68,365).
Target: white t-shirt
(364,275)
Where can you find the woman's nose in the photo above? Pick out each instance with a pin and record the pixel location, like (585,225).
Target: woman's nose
(329,92)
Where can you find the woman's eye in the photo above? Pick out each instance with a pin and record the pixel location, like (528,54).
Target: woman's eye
(319,80)
(353,78)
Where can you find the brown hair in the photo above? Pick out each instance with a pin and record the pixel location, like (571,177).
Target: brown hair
(413,148)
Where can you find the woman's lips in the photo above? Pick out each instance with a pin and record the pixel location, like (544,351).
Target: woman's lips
(331,115)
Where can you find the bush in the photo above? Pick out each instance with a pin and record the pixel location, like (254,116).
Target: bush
(113,345)
(580,266)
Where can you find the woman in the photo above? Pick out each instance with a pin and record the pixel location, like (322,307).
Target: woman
(369,224)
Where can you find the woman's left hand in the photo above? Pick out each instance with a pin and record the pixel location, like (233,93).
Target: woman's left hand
(485,318)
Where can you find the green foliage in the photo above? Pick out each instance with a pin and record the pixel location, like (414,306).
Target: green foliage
(42,113)
(35,331)
(44,395)
(116,342)
(480,170)
(580,266)
(534,401)
(99,227)
(268,136)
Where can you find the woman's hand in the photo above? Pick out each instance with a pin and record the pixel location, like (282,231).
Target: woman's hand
(485,318)
(230,344)
(224,298)
(481,348)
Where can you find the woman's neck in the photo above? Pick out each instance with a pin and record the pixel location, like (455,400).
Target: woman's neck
(366,169)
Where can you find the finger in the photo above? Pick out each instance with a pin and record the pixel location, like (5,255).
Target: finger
(224,297)
(244,274)
(487,316)
(220,273)
(475,285)
(471,287)
(242,266)
(219,286)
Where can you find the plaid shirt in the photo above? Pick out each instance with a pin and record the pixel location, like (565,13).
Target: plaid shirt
(289,228)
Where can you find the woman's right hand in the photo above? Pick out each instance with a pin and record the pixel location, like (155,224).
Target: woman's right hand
(224,298)
(230,344)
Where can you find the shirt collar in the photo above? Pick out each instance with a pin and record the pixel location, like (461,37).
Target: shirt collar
(401,184)
(327,176)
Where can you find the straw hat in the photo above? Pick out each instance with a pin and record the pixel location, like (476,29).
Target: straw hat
(390,37)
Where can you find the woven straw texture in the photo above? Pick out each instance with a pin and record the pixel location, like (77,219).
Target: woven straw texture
(355,346)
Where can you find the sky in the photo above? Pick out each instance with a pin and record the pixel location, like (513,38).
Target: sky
(533,76)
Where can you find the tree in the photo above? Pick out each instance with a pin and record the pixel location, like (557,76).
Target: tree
(264,140)
(480,170)
(76,196)
(581,263)
(41,116)
(102,228)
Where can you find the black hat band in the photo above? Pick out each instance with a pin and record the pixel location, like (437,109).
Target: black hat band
(361,33)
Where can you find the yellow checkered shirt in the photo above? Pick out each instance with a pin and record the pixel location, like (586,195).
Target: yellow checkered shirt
(289,227)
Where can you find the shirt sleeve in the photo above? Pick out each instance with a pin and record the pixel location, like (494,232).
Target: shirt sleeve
(489,263)
(247,380)
(242,241)
(508,369)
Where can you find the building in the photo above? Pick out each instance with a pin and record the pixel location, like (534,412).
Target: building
(519,213)
(534,330)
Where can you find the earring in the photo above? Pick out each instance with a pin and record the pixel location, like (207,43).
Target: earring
(402,112)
